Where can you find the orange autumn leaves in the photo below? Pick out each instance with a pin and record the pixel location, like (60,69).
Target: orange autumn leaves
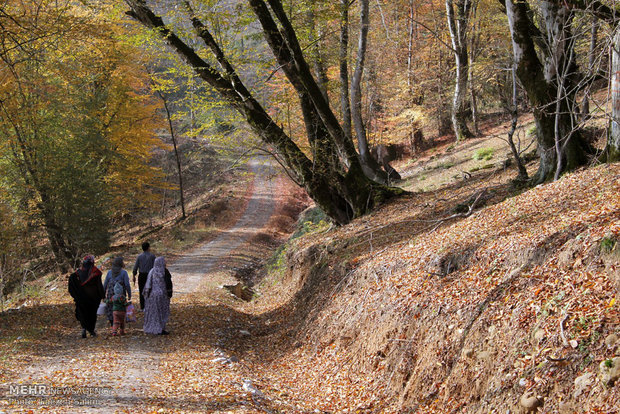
(125,113)
(78,122)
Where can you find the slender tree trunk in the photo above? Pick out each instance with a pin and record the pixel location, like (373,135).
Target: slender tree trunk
(356,84)
(320,72)
(612,151)
(2,261)
(457,24)
(28,161)
(473,54)
(474,107)
(369,164)
(343,56)
(522,177)
(176,152)
(162,210)
(410,38)
(444,118)
(585,103)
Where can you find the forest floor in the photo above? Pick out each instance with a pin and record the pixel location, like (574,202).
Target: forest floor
(464,296)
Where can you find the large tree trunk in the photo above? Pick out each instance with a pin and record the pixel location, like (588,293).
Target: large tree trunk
(561,145)
(369,164)
(303,75)
(457,24)
(64,253)
(343,57)
(342,193)
(612,151)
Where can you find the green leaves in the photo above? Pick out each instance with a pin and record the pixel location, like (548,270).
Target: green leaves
(78,119)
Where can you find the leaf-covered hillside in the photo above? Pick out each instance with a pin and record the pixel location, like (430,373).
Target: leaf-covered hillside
(402,310)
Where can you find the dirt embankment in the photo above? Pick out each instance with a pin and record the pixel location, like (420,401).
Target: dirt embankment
(418,308)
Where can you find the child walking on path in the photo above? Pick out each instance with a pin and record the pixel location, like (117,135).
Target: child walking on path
(116,275)
(118,302)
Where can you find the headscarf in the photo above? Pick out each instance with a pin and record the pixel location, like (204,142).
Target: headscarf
(84,272)
(159,268)
(117,266)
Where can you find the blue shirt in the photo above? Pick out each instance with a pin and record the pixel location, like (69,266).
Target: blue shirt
(122,277)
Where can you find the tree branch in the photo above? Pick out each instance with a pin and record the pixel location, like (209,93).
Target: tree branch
(598,9)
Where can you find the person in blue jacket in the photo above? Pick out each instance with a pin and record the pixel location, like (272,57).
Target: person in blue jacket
(116,275)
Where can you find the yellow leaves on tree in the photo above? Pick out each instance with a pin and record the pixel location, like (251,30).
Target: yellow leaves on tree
(131,120)
(97,74)
(128,117)
(79,122)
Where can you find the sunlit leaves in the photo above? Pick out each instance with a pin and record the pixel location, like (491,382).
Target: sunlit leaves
(77,120)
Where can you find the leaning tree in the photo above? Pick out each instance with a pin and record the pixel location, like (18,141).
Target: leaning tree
(332,174)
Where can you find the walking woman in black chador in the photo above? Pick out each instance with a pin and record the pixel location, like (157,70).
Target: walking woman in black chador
(87,291)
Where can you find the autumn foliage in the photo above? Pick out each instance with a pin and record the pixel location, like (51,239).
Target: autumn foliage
(77,124)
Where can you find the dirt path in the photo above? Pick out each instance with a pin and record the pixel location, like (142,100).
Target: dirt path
(122,371)
(189,271)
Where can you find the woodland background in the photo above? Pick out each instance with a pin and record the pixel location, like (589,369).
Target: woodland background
(100,121)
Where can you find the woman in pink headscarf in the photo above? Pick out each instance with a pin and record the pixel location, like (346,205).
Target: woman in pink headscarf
(157,294)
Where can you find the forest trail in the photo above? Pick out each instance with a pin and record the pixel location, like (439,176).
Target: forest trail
(122,373)
(189,270)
